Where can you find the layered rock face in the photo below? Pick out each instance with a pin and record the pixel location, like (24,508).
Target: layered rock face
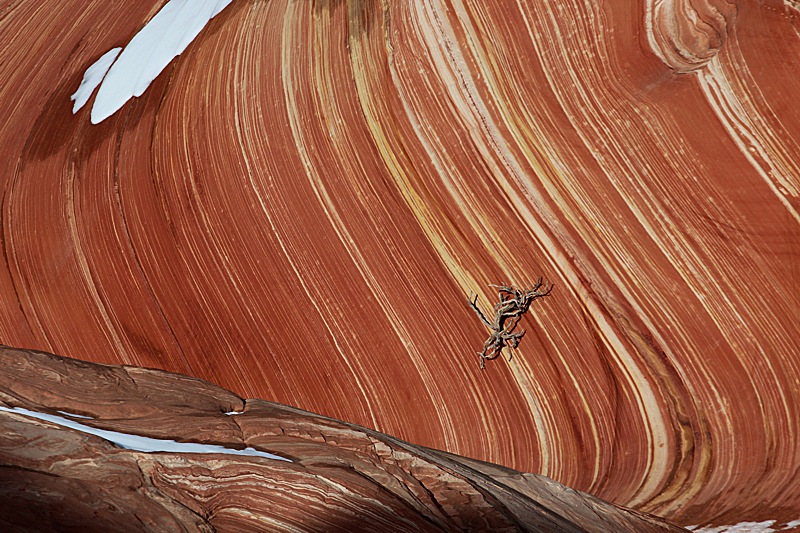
(298,207)
(325,475)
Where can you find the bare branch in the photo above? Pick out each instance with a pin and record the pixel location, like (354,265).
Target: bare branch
(507,314)
(473,304)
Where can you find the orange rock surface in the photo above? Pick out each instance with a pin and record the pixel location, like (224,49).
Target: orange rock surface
(298,206)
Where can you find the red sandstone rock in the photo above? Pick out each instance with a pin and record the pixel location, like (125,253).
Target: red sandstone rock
(341,477)
(298,207)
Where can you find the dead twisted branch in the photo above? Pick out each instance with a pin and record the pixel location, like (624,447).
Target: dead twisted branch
(507,313)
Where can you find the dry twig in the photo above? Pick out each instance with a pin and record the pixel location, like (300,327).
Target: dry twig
(507,313)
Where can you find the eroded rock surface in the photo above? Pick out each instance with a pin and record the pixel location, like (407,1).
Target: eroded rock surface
(298,207)
(338,476)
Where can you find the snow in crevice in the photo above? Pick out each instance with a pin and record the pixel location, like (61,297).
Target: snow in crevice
(139,443)
(124,75)
(766,526)
(73,415)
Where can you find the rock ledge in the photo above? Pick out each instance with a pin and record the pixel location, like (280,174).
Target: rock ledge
(340,477)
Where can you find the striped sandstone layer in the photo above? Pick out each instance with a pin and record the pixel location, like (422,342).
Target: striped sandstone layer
(335,476)
(298,206)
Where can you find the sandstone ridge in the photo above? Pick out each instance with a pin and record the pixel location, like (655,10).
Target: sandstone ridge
(338,476)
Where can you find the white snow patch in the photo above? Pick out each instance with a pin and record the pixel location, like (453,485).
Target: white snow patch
(229,413)
(92,78)
(741,527)
(753,527)
(139,443)
(73,415)
(793,523)
(162,39)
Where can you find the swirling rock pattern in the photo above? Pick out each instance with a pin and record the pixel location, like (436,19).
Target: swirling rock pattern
(297,208)
(686,35)
(340,477)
